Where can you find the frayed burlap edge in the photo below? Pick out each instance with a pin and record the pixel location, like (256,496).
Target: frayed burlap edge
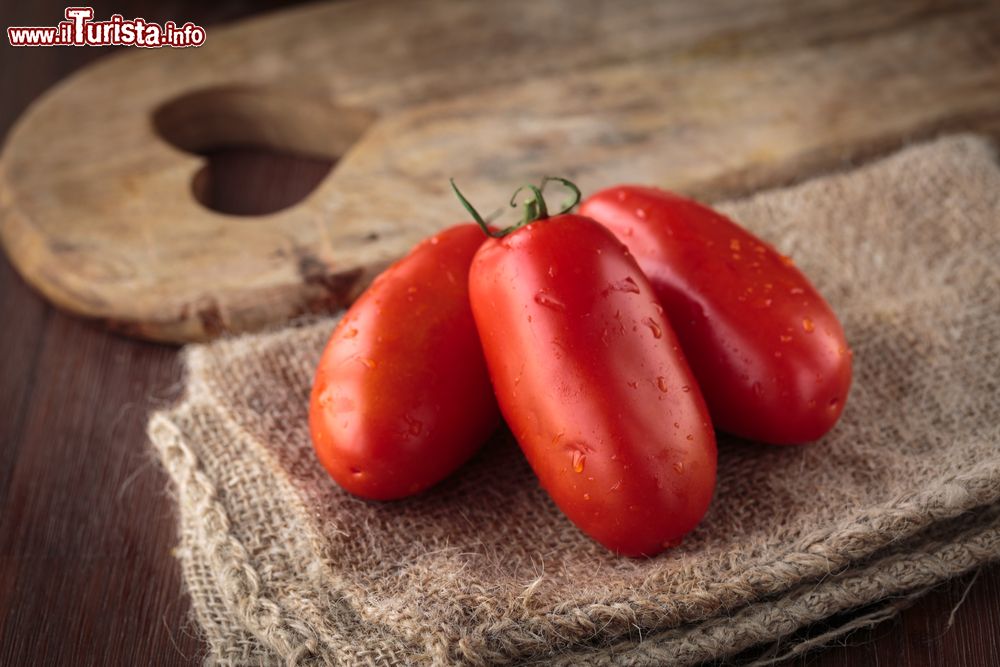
(274,638)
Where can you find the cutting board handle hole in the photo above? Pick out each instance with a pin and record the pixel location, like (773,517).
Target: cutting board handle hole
(265,149)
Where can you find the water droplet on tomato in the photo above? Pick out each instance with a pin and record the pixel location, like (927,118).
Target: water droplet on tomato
(640,213)
(620,195)
(768,287)
(351,333)
(787,261)
(834,402)
(586,496)
(689,437)
(543,298)
(617,486)
(807,325)
(685,388)
(414,426)
(736,256)
(653,326)
(356,471)
(661,384)
(552,271)
(369,363)
(435,240)
(625,285)
(342,404)
(734,245)
(679,467)
(411,290)
(785,339)
(796,290)
(677,424)
(579,460)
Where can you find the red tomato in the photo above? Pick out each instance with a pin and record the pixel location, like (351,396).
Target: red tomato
(768,352)
(402,396)
(592,383)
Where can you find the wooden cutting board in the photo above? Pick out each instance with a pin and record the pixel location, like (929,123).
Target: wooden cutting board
(97,179)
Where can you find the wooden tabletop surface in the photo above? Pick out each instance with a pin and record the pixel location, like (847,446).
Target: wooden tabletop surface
(86,519)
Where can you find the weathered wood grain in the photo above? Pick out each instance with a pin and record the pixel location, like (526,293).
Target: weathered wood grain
(98,209)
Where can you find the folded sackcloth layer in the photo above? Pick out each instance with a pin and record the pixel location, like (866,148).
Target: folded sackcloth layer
(283,566)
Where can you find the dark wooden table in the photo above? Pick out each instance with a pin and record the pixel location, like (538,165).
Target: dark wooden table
(86,524)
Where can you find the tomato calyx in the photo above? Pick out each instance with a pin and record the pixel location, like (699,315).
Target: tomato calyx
(534,207)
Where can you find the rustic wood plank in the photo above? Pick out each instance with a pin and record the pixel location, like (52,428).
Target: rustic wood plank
(707,98)
(85,518)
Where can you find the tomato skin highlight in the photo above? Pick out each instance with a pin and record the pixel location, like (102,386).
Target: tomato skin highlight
(401,396)
(768,351)
(592,383)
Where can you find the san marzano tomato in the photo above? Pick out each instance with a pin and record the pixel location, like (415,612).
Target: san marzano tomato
(768,352)
(402,396)
(592,382)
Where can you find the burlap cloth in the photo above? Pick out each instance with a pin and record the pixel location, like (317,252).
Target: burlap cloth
(281,565)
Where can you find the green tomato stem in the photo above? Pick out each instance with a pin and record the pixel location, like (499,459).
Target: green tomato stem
(535,208)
